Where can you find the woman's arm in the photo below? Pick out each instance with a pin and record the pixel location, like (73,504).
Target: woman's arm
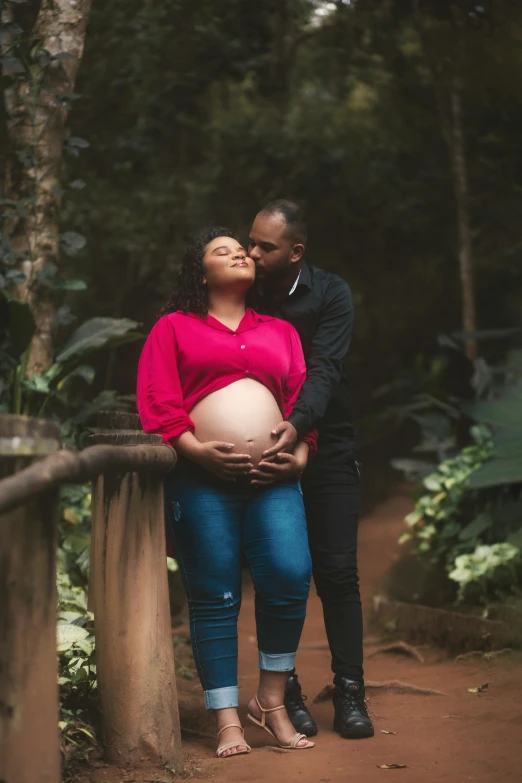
(159,395)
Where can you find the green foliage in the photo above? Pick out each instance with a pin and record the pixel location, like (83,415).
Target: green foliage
(338,112)
(75,635)
(469,516)
(62,392)
(28,69)
(95,334)
(446,504)
(177,123)
(488,572)
(75,639)
(503,413)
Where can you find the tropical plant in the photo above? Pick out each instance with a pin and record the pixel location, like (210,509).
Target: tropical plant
(446,504)
(63,391)
(470,511)
(502,412)
(488,572)
(75,639)
(32,396)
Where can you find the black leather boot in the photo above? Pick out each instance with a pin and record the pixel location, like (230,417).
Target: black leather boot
(299,716)
(351,716)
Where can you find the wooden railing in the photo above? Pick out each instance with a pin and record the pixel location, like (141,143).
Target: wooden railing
(128,594)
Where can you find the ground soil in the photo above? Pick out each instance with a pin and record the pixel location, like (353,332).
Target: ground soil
(455,738)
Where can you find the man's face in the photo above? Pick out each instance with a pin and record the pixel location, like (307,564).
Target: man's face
(271,247)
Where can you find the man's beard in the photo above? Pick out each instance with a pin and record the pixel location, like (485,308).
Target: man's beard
(271,279)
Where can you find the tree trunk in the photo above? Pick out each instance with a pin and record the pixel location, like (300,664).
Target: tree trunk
(448,95)
(37,108)
(460,185)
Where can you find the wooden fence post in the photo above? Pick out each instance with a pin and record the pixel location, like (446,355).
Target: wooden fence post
(129,598)
(29,736)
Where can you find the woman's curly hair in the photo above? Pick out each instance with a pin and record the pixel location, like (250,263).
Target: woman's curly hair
(190,293)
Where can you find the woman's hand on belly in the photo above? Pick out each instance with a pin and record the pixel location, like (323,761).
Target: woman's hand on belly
(282,467)
(215,456)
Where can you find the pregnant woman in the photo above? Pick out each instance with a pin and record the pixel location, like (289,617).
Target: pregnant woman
(214,380)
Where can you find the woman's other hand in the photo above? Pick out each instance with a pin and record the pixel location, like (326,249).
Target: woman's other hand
(215,456)
(219,459)
(282,467)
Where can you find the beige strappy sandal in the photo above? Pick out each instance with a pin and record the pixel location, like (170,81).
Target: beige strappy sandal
(222,748)
(262,725)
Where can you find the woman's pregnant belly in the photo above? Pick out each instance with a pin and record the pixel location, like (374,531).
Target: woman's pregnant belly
(243,413)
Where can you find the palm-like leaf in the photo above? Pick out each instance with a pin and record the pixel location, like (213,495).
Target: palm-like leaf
(98,333)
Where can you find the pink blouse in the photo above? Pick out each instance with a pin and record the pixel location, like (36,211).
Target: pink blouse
(186,357)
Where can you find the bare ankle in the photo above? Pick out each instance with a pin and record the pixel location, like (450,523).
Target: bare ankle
(226,717)
(271,688)
(269,700)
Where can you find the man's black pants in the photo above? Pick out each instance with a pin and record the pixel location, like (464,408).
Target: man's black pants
(332,500)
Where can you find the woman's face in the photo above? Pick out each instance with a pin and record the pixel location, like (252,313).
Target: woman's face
(226,265)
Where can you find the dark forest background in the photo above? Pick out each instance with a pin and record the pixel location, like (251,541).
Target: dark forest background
(391,122)
(202,111)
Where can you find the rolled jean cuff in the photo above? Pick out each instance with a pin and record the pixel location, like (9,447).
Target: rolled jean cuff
(276,662)
(221,698)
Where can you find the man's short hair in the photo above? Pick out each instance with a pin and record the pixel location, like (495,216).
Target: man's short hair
(292,214)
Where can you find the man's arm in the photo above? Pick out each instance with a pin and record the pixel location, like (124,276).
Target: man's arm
(325,367)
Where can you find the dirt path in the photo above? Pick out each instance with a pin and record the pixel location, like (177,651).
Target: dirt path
(455,738)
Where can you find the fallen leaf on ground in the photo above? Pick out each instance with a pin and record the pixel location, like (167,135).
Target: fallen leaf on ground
(480,689)
(391,766)
(489,656)
(383,731)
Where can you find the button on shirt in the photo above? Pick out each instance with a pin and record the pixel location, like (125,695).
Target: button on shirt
(186,357)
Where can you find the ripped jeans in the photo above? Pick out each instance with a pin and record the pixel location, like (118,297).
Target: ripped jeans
(213,523)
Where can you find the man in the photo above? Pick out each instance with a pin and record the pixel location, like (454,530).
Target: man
(319,305)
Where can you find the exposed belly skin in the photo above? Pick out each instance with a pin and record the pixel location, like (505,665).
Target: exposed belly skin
(243,413)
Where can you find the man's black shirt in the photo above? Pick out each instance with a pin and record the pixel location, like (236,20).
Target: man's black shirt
(321,309)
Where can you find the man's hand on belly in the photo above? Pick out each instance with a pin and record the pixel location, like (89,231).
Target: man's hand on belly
(282,467)
(286,439)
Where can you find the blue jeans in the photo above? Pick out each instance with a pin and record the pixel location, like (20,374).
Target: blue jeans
(213,523)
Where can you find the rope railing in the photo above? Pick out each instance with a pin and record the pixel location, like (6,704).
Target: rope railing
(128,594)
